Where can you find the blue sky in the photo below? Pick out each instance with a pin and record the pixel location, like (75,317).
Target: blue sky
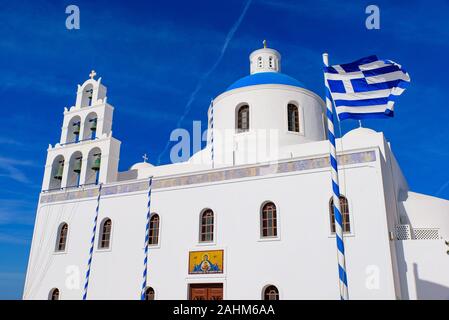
(153,55)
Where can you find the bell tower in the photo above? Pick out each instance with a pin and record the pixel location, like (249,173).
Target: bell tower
(87,153)
(265,60)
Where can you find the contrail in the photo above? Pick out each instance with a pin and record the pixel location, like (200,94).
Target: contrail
(444,186)
(200,83)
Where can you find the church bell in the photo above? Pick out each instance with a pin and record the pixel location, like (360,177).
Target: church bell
(76,128)
(77,166)
(93,124)
(60,170)
(97,162)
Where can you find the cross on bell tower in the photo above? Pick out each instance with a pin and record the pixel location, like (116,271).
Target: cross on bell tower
(92,74)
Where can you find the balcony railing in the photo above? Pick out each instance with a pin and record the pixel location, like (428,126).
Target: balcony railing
(69,188)
(74,142)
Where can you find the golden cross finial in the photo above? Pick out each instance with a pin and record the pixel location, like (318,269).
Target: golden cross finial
(264,43)
(92,74)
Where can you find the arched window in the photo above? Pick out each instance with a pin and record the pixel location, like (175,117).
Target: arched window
(105,234)
(154,230)
(87,95)
(269,220)
(90,126)
(149,293)
(57,171)
(271,293)
(243,119)
(74,173)
(207,226)
(344,211)
(76,130)
(61,241)
(54,294)
(73,130)
(93,166)
(93,128)
(293,118)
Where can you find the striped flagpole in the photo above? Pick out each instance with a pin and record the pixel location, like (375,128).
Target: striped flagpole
(212,131)
(338,218)
(147,239)
(92,241)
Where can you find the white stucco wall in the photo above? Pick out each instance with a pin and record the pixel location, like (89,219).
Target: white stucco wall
(301,262)
(423,211)
(268,135)
(303,257)
(423,265)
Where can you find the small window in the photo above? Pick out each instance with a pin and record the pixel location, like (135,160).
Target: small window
(344,211)
(154,230)
(269,220)
(54,294)
(271,293)
(149,293)
(243,119)
(105,234)
(61,241)
(270,62)
(207,226)
(293,118)
(259,62)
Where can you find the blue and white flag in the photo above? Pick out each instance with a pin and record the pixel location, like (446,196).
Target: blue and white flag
(366,88)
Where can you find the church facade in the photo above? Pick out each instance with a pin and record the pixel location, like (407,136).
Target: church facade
(248,217)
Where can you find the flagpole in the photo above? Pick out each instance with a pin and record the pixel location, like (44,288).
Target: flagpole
(338,218)
(92,241)
(147,240)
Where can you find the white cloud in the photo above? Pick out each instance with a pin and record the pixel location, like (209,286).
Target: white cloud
(9,168)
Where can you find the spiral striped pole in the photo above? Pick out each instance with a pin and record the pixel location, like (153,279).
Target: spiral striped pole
(212,131)
(147,239)
(338,218)
(92,241)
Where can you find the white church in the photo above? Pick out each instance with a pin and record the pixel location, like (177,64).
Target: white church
(247,217)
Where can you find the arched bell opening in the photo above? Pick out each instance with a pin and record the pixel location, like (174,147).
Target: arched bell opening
(73,130)
(57,170)
(90,126)
(88,91)
(93,166)
(75,166)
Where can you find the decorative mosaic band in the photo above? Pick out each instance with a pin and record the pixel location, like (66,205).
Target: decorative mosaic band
(224,175)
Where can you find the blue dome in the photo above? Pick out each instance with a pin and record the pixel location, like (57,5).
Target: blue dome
(265,78)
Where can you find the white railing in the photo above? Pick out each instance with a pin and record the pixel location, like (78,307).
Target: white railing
(406,232)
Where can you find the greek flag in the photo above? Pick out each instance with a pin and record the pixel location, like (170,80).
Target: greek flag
(366,88)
